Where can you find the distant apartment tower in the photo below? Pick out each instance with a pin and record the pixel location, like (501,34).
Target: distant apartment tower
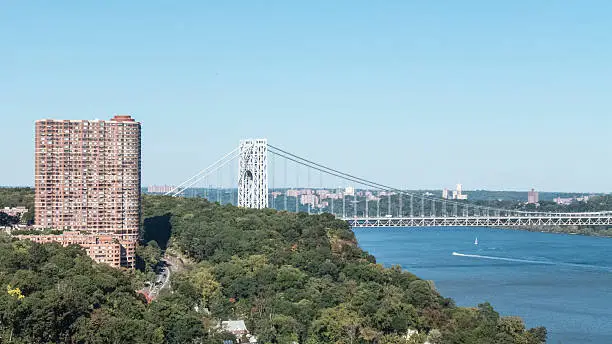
(445,193)
(458,193)
(533,197)
(87,179)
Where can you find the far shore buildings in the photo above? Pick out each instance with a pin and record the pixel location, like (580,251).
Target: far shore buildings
(160,189)
(456,194)
(569,200)
(349,191)
(87,184)
(445,193)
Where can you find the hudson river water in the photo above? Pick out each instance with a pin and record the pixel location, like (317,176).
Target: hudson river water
(563,282)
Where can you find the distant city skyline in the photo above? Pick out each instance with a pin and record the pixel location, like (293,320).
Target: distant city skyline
(492,95)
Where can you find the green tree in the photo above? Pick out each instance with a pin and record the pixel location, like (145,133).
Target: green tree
(539,334)
(150,254)
(338,325)
(204,281)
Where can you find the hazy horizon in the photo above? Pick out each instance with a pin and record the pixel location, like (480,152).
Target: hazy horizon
(360,188)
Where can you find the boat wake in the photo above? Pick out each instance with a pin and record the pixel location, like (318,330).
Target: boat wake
(504,259)
(529,261)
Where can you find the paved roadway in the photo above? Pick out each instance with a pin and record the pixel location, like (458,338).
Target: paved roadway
(162,280)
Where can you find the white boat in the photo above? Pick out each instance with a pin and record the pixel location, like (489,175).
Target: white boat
(476,241)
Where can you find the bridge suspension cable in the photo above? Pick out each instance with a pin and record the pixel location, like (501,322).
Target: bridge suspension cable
(475,209)
(216,166)
(377,186)
(357,205)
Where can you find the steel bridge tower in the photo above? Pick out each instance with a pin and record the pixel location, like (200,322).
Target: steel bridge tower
(253,173)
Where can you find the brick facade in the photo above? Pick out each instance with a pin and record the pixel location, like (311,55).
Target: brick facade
(101,248)
(87,179)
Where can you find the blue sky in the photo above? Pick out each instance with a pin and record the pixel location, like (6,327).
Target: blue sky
(417,94)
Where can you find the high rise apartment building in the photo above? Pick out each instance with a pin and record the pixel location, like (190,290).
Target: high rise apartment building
(87,179)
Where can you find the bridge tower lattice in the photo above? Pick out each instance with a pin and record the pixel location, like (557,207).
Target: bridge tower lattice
(253,173)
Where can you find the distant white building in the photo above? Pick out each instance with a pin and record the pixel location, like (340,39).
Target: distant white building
(570,200)
(445,193)
(457,194)
(563,201)
(583,199)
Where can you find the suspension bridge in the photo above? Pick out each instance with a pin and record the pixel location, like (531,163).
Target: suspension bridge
(257,175)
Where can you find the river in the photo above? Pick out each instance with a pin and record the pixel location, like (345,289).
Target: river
(563,282)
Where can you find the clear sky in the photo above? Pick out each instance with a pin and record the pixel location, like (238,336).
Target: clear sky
(417,94)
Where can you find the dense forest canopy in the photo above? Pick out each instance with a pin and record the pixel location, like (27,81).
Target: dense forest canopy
(291,277)
(296,277)
(54,294)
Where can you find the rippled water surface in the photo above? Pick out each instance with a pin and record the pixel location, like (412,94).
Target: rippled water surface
(563,282)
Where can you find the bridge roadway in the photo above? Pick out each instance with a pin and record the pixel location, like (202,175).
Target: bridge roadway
(514,220)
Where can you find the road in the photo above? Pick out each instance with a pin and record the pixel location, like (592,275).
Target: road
(162,280)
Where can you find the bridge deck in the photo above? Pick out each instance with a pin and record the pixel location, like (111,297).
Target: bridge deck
(475,221)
